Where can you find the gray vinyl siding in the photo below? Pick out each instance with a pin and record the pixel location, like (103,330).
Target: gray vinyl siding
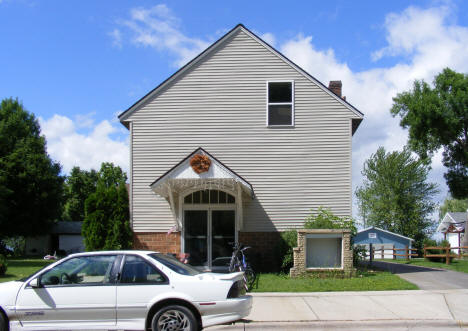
(220,105)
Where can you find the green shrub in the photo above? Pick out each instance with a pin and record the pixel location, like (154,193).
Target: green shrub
(284,250)
(3,265)
(359,254)
(325,219)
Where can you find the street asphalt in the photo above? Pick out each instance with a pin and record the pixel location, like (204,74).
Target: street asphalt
(376,310)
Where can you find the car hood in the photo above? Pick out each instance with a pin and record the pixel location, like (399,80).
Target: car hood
(8,292)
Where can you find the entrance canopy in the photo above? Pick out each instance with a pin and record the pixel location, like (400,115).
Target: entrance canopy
(200,171)
(183,176)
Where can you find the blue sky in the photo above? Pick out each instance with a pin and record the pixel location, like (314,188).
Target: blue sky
(77,64)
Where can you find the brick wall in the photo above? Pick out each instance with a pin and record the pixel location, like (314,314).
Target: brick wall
(262,255)
(157,241)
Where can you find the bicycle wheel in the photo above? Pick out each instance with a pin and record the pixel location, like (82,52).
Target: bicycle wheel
(250,277)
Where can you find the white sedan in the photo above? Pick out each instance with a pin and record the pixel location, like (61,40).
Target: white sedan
(130,290)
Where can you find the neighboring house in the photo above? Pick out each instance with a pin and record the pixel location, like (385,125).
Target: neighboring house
(239,144)
(380,238)
(65,237)
(453,227)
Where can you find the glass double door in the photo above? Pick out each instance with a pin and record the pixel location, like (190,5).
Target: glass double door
(207,234)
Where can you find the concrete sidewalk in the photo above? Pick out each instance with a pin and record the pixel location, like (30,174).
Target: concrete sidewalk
(377,310)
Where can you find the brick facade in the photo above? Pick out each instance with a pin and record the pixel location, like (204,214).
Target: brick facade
(262,255)
(300,252)
(157,241)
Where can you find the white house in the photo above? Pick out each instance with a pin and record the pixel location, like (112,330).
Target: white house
(453,227)
(239,144)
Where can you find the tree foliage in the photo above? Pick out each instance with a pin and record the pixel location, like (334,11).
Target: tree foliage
(107,220)
(30,183)
(78,186)
(452,205)
(395,195)
(437,117)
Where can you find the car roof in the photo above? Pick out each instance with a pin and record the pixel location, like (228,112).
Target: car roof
(139,252)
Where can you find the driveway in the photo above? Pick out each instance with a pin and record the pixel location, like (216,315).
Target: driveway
(426,278)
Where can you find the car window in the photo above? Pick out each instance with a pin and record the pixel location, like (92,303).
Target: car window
(80,270)
(137,271)
(175,265)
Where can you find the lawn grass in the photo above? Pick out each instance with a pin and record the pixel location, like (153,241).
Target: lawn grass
(365,280)
(20,268)
(455,265)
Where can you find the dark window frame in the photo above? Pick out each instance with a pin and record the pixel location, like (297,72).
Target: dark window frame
(268,104)
(147,261)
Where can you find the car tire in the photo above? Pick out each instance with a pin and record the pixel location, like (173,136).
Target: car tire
(3,322)
(174,317)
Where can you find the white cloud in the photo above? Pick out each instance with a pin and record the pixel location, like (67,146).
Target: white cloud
(69,146)
(116,37)
(269,38)
(157,27)
(426,41)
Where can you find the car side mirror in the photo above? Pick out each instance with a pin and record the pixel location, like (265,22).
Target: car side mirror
(35,283)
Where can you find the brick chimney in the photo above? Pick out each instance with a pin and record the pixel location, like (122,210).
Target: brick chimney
(335,87)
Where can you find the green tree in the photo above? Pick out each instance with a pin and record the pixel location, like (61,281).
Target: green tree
(452,205)
(395,195)
(437,117)
(30,183)
(110,175)
(107,222)
(97,221)
(78,186)
(120,235)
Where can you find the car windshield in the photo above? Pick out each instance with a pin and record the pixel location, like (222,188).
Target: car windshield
(35,272)
(175,265)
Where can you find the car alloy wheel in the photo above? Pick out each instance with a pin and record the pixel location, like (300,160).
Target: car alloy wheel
(174,318)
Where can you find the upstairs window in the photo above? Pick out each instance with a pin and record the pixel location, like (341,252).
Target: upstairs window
(280,107)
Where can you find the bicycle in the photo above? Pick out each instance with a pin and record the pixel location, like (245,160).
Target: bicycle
(239,263)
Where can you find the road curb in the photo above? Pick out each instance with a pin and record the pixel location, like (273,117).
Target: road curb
(345,325)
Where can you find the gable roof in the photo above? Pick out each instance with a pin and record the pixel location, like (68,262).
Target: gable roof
(457,219)
(240,27)
(389,232)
